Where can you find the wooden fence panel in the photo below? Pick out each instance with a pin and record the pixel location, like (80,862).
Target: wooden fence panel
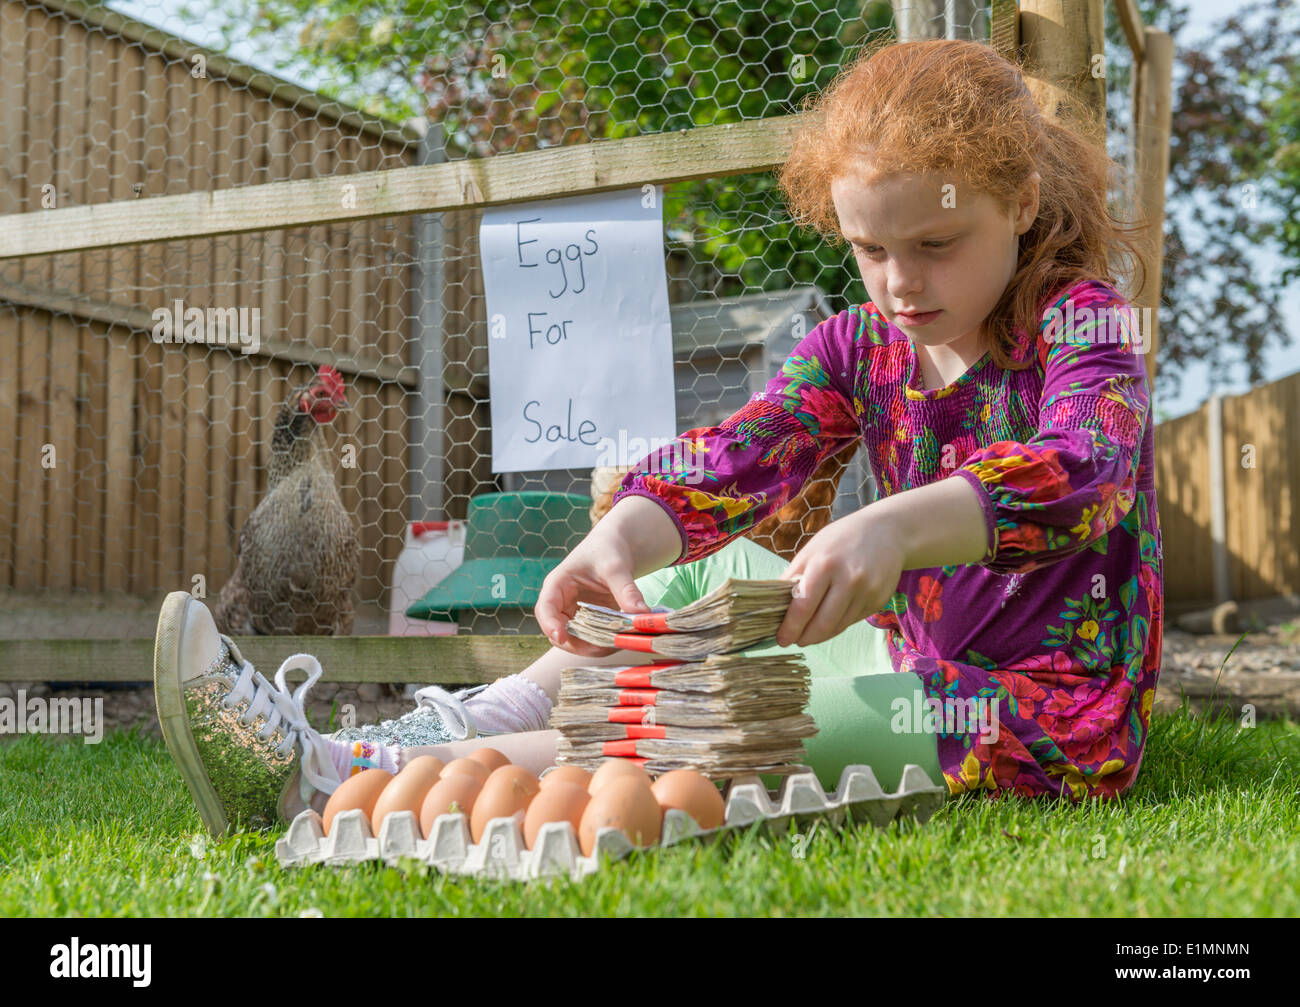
(1183,501)
(1261,470)
(162,451)
(1261,464)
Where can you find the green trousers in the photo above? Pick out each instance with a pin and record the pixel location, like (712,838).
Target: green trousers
(854,690)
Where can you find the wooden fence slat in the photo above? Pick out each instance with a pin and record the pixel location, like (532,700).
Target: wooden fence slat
(10,326)
(118,494)
(29,527)
(61,502)
(14,81)
(222,539)
(13,176)
(73,161)
(98,338)
(128,33)
(146,547)
(31,542)
(241,291)
(274,267)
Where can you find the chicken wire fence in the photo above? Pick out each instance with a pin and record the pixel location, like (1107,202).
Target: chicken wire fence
(260,417)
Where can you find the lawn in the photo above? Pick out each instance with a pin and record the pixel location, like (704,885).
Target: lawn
(1211,828)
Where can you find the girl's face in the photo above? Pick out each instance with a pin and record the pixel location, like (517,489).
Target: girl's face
(922,247)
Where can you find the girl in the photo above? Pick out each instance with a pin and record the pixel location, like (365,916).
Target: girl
(1012,563)
(997,379)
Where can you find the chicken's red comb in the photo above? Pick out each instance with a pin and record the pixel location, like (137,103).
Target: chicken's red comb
(331,380)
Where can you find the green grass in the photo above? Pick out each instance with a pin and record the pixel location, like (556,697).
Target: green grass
(1211,828)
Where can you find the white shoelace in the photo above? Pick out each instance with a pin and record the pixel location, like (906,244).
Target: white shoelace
(450,708)
(286,711)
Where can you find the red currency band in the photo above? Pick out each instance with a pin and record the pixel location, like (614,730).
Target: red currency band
(635,641)
(628,714)
(639,677)
(655,622)
(644,731)
(638,697)
(623,749)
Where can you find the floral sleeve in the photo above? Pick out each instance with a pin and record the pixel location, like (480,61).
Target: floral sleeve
(1066,487)
(717,482)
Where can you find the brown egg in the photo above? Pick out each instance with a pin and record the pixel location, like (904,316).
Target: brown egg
(450,794)
(625,804)
(508,791)
(466,767)
(360,791)
(613,769)
(490,758)
(692,792)
(562,801)
(567,774)
(406,790)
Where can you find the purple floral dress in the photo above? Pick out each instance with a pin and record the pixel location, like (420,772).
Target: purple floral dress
(1061,622)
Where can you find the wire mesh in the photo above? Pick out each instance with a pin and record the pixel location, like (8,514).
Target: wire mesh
(132,465)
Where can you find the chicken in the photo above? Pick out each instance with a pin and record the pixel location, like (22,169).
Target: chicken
(299,554)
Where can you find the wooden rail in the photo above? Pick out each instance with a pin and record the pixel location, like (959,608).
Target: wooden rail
(658,159)
(444,660)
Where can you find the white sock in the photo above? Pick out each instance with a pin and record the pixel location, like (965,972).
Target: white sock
(514,703)
(350,757)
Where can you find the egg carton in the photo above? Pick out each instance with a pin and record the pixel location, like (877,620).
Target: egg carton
(502,854)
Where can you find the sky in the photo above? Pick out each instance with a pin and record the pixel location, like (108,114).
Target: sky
(1204,14)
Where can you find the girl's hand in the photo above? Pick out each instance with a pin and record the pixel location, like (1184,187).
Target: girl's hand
(599,570)
(848,571)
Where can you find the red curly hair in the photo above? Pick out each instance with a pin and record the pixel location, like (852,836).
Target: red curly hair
(959,109)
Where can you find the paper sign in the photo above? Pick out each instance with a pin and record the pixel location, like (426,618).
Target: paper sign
(579,336)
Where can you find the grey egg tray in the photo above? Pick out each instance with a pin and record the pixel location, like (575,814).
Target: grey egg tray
(502,853)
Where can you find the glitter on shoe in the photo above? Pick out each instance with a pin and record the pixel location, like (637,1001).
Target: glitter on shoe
(438,718)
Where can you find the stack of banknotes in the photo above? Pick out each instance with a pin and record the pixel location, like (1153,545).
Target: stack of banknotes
(704,706)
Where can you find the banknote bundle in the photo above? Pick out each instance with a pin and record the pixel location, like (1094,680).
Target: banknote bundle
(703,705)
(736,615)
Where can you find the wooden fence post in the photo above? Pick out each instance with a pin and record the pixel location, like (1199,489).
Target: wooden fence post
(1218,499)
(1153,118)
(918,19)
(428,446)
(1064,44)
(921,19)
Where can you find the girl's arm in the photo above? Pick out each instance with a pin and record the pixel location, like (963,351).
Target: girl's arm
(650,533)
(940,524)
(850,569)
(1075,479)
